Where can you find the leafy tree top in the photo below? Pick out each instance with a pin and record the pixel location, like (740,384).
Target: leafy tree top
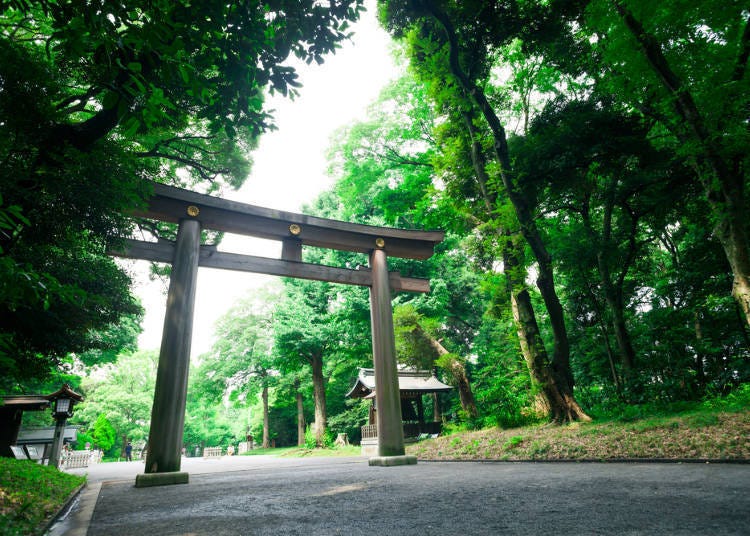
(148,65)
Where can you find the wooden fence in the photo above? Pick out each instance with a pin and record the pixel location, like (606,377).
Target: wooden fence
(411,429)
(79,458)
(212,452)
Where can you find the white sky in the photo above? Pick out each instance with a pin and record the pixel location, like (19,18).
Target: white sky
(289,170)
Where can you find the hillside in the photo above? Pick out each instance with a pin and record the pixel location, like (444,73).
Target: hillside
(704,435)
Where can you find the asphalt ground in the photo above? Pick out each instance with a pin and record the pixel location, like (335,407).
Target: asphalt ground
(329,496)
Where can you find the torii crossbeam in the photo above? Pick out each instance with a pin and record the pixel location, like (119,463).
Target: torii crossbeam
(194,212)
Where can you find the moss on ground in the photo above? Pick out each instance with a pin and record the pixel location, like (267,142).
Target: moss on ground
(31,494)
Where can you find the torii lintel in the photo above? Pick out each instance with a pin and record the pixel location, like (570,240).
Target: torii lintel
(173,204)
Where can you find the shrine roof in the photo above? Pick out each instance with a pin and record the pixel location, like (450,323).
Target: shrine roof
(409,381)
(24,402)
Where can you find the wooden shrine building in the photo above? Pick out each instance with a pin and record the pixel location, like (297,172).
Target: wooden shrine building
(11,414)
(412,385)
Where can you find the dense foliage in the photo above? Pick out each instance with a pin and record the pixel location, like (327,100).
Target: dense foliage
(96,98)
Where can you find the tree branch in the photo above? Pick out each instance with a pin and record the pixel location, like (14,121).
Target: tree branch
(683,100)
(399,159)
(740,67)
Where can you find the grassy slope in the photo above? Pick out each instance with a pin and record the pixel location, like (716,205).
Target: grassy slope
(716,435)
(30,494)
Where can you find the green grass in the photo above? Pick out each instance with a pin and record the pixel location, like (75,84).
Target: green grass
(297,452)
(512,442)
(30,494)
(269,451)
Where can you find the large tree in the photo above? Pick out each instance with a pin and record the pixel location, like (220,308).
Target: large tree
(607,193)
(240,364)
(406,166)
(304,334)
(95,98)
(454,46)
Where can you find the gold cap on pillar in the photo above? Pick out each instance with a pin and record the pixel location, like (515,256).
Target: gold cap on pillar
(193,211)
(379,242)
(295,229)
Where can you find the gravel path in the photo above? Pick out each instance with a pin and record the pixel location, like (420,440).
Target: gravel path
(328,496)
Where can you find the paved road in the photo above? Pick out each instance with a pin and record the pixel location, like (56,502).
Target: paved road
(264,496)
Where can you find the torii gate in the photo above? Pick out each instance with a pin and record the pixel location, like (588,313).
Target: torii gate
(193,212)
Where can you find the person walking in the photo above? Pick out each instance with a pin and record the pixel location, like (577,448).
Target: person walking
(129,452)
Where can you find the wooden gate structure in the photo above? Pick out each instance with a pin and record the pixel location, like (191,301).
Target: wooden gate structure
(194,212)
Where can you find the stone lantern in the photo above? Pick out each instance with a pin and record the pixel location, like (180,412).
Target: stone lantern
(62,402)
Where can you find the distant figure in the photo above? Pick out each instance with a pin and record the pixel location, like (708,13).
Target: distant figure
(128,452)
(230,450)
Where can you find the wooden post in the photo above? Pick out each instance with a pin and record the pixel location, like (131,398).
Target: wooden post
(58,438)
(10,425)
(420,412)
(170,393)
(291,250)
(390,428)
(300,418)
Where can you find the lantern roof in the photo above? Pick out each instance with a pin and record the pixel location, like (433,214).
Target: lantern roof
(65,392)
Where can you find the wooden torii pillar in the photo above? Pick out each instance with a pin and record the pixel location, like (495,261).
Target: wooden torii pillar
(390,428)
(194,212)
(164,454)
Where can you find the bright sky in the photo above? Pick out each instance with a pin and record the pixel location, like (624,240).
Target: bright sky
(289,171)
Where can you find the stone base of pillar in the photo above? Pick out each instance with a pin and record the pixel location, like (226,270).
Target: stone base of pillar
(390,461)
(147,480)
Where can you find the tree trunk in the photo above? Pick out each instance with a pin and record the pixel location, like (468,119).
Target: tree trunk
(300,419)
(699,368)
(319,398)
(623,339)
(541,405)
(545,280)
(613,297)
(601,322)
(457,370)
(734,240)
(552,391)
(612,290)
(559,406)
(266,435)
(437,413)
(562,404)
